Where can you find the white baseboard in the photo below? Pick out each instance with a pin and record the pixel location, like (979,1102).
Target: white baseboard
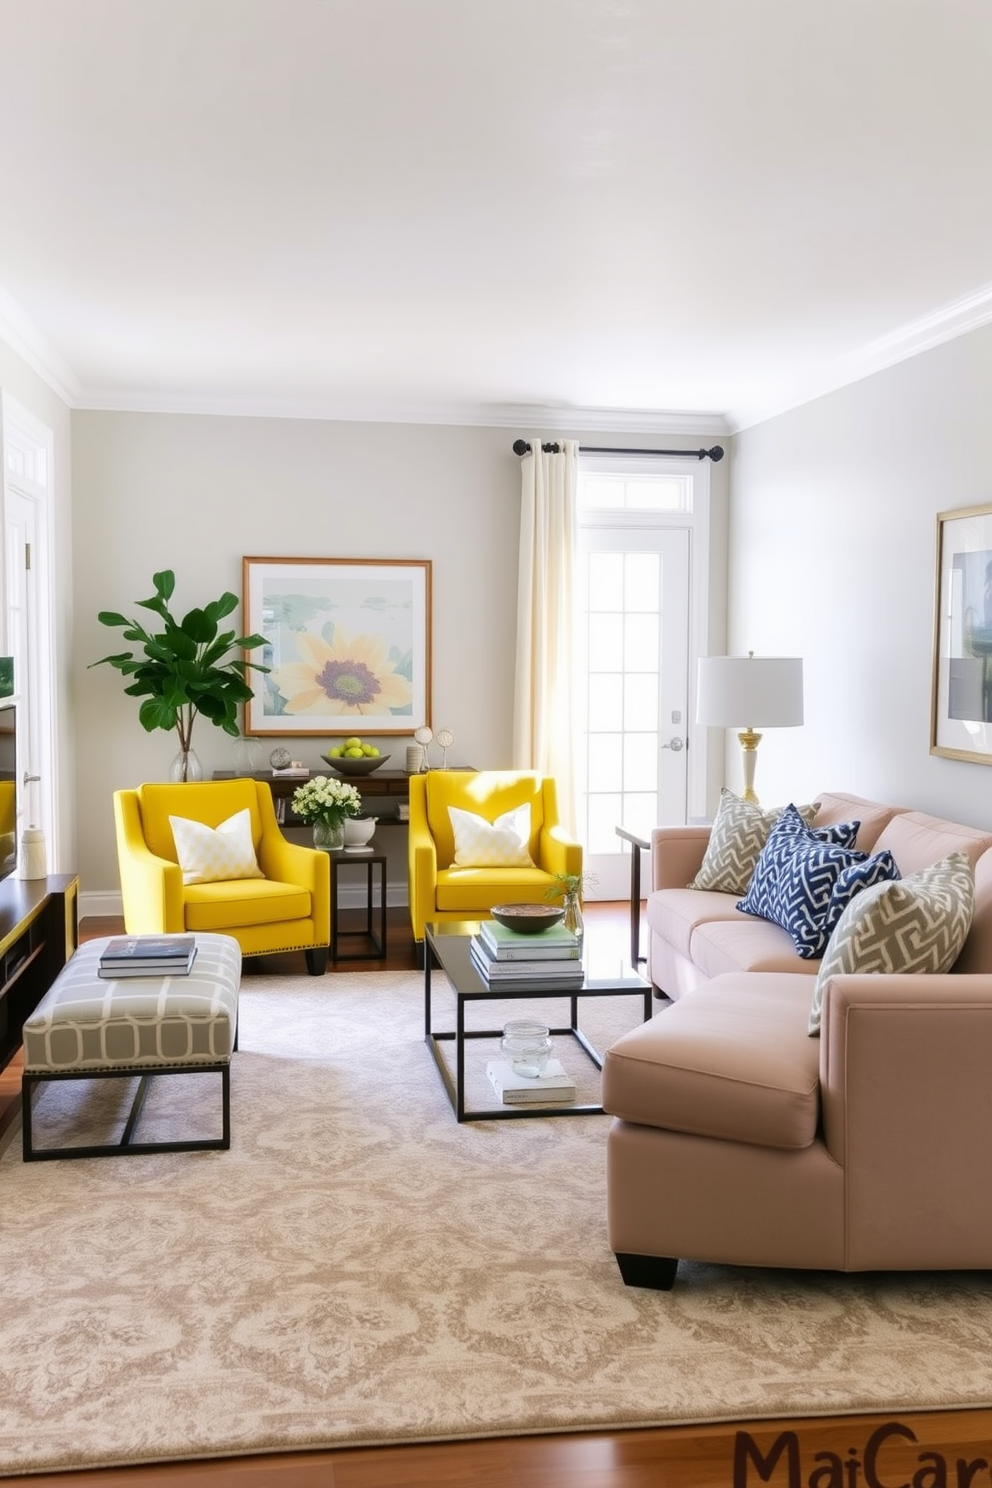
(96,903)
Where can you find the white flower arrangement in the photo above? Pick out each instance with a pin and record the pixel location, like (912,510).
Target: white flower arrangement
(328,801)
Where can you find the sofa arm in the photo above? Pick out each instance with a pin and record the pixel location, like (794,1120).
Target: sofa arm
(906,1088)
(676,855)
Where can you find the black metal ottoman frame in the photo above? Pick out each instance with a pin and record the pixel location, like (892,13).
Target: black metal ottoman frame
(127,1144)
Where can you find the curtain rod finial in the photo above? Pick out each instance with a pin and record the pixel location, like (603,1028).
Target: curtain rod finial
(521,447)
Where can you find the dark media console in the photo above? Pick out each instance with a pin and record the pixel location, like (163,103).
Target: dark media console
(37,937)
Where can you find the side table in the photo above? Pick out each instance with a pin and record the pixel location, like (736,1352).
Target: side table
(372,858)
(637,845)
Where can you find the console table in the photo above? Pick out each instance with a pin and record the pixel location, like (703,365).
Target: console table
(391,783)
(37,937)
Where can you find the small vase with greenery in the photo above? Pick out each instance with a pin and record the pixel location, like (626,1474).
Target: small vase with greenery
(326,804)
(184,668)
(568,888)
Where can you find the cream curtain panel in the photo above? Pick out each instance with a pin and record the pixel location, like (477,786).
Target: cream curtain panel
(544,709)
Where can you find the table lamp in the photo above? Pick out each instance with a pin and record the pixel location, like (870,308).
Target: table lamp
(767,691)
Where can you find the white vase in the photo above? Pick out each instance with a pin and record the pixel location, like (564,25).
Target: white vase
(328,837)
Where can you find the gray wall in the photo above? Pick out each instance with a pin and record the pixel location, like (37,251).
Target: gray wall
(832,542)
(196,494)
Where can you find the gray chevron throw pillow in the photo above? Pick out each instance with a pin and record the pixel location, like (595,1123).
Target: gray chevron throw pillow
(918,923)
(739,832)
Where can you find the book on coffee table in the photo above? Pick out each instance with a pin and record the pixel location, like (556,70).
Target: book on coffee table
(525,974)
(554,944)
(554,1085)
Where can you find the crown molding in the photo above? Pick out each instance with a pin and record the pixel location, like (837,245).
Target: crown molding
(23,337)
(549,418)
(955,319)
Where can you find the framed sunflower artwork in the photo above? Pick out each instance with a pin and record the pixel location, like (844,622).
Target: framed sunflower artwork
(347,644)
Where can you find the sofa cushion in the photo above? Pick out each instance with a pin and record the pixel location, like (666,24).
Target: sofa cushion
(916,840)
(840,806)
(739,832)
(675,914)
(799,872)
(746,944)
(915,924)
(730,1061)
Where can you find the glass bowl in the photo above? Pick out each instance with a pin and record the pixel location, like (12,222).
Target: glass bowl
(526,1045)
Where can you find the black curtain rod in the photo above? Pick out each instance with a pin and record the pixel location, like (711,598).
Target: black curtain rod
(521,447)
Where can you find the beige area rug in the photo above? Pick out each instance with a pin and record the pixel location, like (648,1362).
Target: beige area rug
(360,1269)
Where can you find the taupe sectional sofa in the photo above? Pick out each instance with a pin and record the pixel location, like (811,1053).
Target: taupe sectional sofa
(739,1138)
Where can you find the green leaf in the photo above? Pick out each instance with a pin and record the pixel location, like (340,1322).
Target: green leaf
(156,714)
(111,617)
(199,626)
(165,583)
(218,608)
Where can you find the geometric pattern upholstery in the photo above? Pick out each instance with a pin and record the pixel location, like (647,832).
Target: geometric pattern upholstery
(798,873)
(85,1023)
(739,832)
(916,924)
(502,843)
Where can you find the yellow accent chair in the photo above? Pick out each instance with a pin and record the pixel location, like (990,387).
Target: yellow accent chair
(439,889)
(287,909)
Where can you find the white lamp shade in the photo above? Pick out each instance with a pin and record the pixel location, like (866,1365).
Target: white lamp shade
(750,692)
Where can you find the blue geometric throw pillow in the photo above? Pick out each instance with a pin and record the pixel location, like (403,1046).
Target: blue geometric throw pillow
(881,868)
(797,874)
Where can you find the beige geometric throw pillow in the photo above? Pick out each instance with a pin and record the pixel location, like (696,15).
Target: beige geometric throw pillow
(918,923)
(738,834)
(210,855)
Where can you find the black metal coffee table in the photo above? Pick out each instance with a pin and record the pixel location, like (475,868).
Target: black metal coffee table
(450,944)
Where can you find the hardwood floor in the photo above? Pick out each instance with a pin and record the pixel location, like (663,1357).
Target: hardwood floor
(725,1455)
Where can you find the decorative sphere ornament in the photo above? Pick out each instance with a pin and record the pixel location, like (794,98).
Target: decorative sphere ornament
(423,735)
(280,758)
(445,737)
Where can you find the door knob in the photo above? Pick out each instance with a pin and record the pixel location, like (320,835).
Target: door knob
(675,745)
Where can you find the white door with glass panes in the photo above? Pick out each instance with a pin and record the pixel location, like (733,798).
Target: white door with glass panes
(632,671)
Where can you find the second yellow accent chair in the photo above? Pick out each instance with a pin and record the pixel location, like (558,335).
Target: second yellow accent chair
(442,891)
(287,909)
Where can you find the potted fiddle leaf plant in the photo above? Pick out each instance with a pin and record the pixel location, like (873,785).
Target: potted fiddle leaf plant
(184,667)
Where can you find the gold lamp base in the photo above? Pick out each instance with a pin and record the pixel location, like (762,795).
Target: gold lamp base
(749,742)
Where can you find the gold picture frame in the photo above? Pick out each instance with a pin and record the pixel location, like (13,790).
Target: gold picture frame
(348,644)
(961,706)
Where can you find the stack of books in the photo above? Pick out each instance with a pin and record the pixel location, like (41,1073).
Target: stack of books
(147,956)
(549,959)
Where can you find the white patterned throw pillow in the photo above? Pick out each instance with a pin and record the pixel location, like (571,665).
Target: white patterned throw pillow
(738,834)
(914,924)
(504,843)
(210,854)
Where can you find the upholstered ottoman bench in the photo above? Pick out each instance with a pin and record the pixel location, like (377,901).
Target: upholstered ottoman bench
(86,1028)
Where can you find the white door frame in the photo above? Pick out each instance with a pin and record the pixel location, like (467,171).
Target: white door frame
(28,517)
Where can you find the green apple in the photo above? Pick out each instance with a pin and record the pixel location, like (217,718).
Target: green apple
(352,743)
(354,753)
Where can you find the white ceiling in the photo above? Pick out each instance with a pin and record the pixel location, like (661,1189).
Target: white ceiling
(480,210)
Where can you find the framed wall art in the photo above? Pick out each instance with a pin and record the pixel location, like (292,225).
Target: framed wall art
(348,645)
(961,726)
